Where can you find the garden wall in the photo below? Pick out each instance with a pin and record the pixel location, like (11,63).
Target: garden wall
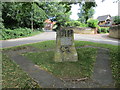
(83,30)
(114,31)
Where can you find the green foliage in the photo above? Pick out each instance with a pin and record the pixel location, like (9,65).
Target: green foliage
(16,33)
(76,24)
(93,23)
(86,11)
(27,14)
(33,14)
(16,14)
(83,25)
(73,23)
(1,20)
(39,16)
(59,10)
(103,30)
(116,19)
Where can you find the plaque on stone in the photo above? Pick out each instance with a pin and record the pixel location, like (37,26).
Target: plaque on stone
(65,49)
(66,41)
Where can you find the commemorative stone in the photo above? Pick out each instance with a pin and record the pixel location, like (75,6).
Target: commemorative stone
(65,49)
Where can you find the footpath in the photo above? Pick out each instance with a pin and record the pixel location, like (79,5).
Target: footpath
(102,76)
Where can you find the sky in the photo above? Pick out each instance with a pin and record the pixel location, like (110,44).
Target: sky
(103,8)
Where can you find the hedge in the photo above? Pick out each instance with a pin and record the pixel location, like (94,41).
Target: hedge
(103,30)
(16,33)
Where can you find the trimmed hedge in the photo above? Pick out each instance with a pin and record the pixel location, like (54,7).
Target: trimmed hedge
(16,33)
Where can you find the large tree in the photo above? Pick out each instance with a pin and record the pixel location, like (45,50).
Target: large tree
(86,11)
(16,14)
(33,14)
(59,10)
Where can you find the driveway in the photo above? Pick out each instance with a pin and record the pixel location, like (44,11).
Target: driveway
(100,38)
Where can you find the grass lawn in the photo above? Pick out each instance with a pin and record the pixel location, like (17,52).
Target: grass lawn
(14,77)
(83,59)
(82,68)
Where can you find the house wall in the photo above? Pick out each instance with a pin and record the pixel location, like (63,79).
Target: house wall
(101,23)
(114,32)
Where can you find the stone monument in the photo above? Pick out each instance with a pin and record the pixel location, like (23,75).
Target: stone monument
(65,49)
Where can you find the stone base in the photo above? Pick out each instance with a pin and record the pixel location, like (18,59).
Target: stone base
(65,48)
(70,55)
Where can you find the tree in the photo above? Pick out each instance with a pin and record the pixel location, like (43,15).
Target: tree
(93,23)
(86,11)
(16,14)
(39,16)
(33,14)
(59,10)
(27,14)
(116,19)
(1,20)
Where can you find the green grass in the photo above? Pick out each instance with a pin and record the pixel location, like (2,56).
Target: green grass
(114,54)
(82,68)
(14,77)
(114,58)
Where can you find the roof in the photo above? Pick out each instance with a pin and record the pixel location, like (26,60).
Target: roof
(103,18)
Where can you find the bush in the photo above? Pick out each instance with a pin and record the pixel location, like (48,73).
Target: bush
(83,25)
(103,30)
(93,23)
(16,33)
(116,19)
(76,24)
(73,23)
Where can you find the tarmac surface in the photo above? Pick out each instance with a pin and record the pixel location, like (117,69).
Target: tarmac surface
(99,38)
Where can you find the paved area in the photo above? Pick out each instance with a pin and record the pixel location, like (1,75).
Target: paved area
(100,38)
(42,77)
(102,76)
(102,72)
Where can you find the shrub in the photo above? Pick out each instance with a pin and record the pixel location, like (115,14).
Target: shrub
(116,19)
(76,24)
(73,23)
(93,23)
(20,32)
(83,25)
(103,30)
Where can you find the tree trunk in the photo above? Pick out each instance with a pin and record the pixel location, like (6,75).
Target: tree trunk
(95,30)
(32,18)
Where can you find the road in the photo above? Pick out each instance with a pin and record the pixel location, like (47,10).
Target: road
(99,38)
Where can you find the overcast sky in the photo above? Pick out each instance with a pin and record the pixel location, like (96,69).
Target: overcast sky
(103,8)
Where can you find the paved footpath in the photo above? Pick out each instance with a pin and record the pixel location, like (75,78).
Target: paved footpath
(102,76)
(100,38)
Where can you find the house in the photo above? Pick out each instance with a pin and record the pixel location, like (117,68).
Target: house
(49,24)
(105,20)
